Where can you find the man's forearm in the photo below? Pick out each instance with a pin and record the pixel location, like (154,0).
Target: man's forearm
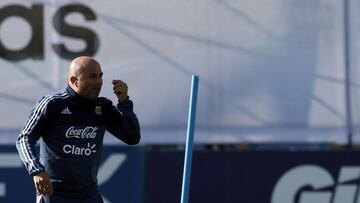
(26,150)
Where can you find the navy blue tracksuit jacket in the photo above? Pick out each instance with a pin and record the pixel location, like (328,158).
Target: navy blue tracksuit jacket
(72,130)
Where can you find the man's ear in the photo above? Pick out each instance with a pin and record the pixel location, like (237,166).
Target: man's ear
(74,81)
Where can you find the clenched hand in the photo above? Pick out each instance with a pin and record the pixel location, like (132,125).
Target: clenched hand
(120,90)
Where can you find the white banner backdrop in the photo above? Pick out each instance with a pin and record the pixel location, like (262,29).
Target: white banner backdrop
(270,71)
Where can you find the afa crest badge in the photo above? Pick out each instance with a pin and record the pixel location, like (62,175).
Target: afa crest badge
(98,110)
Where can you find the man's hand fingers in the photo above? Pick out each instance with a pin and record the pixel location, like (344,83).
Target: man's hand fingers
(43,184)
(115,82)
(120,89)
(118,83)
(47,186)
(48,190)
(37,186)
(41,188)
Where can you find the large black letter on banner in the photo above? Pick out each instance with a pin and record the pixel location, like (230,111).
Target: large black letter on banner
(65,29)
(34,16)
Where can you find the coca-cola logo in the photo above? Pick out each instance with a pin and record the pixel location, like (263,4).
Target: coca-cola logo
(88,132)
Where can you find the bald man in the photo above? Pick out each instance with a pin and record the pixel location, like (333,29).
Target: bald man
(72,124)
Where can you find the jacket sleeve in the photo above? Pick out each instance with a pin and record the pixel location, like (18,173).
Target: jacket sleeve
(123,123)
(29,136)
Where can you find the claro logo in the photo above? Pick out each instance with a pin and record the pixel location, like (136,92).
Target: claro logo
(74,150)
(314,184)
(34,17)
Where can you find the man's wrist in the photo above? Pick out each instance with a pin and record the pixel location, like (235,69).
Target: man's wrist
(124,100)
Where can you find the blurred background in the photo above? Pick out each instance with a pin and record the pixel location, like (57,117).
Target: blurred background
(278,106)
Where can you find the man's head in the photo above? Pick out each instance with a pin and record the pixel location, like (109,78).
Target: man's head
(85,77)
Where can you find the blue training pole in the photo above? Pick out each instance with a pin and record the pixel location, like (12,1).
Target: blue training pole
(189,140)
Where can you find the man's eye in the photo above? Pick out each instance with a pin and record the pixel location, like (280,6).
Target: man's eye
(96,76)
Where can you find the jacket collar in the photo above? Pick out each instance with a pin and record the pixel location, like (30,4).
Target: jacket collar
(78,96)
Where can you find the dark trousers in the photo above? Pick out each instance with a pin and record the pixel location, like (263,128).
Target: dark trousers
(60,199)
